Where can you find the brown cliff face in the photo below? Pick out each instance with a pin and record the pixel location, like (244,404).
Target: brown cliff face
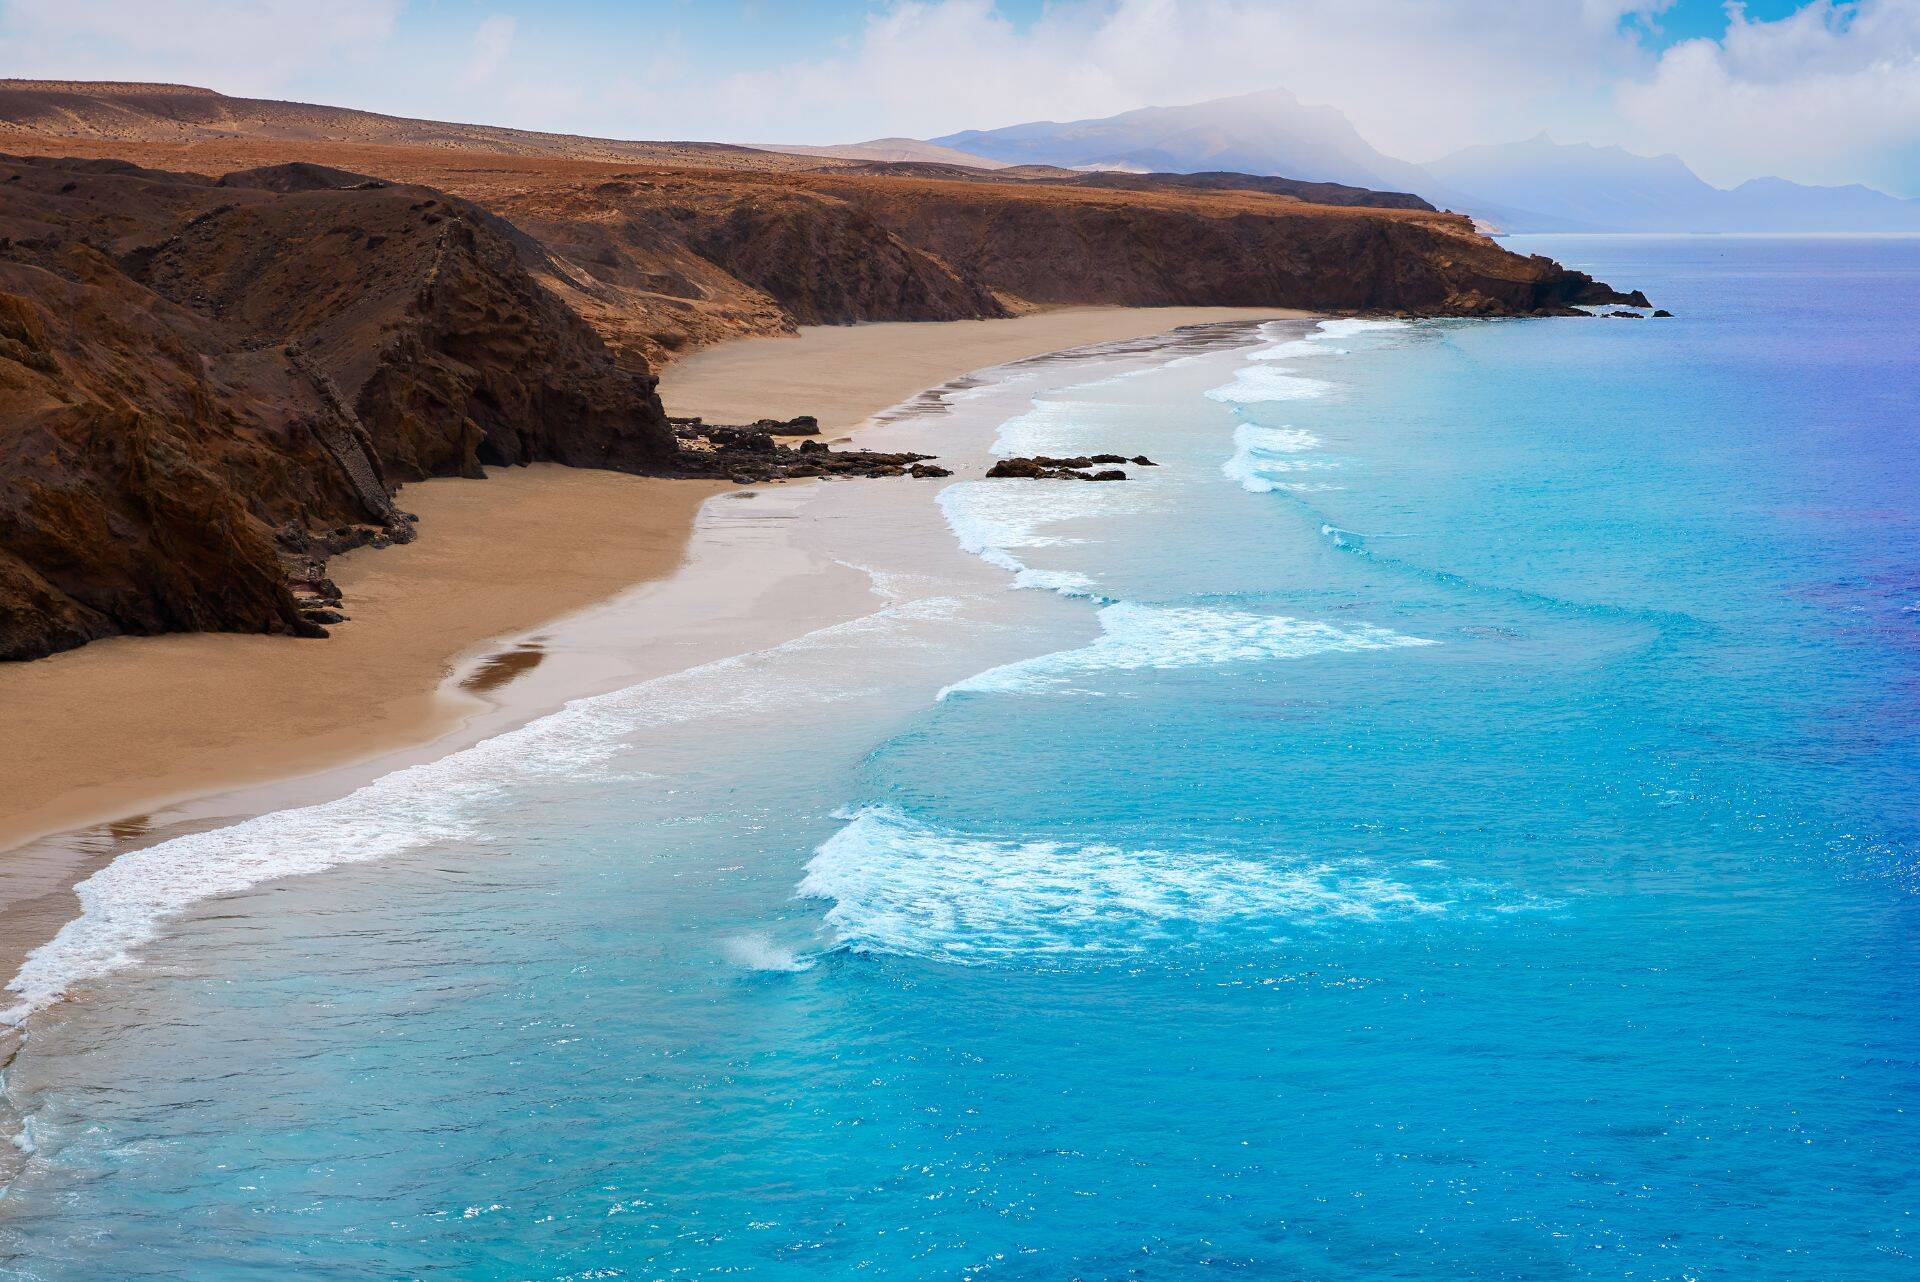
(668,247)
(664,261)
(1228,248)
(204,387)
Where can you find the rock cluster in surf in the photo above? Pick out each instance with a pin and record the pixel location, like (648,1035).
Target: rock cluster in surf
(1043,467)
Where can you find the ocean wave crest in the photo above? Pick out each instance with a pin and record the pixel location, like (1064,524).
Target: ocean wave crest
(997,520)
(1261,452)
(899,886)
(1136,636)
(1352,326)
(1256,384)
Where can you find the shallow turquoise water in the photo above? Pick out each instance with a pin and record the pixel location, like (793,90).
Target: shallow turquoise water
(1455,818)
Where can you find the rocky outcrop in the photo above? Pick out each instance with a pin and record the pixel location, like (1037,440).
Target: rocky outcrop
(1042,468)
(748,453)
(207,387)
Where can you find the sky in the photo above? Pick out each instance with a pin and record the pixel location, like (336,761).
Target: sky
(1822,91)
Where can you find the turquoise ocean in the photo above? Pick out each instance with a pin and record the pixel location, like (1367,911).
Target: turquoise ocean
(1456,816)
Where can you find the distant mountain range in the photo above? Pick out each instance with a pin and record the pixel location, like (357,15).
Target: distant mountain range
(1536,185)
(1542,185)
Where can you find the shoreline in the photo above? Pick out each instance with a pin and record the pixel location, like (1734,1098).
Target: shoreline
(501,612)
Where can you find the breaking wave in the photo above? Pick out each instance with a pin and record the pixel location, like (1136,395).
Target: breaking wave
(998,520)
(900,886)
(1136,636)
(1258,383)
(1262,454)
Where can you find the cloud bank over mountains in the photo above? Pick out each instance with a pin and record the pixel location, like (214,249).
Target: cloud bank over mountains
(1828,92)
(1535,185)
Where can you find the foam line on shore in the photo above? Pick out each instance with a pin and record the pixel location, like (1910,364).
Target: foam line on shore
(125,904)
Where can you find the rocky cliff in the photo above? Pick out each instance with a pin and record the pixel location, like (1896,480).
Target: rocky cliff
(665,261)
(205,387)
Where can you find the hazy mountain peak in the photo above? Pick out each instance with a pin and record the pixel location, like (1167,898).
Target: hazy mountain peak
(1269,132)
(1540,185)
(1534,184)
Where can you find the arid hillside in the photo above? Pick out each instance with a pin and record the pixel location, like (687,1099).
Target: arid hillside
(667,247)
(106,111)
(206,388)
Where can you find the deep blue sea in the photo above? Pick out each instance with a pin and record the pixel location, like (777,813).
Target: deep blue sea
(1455,817)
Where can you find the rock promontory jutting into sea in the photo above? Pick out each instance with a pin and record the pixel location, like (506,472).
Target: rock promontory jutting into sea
(210,385)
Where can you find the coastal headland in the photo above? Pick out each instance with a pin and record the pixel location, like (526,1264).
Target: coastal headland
(270,372)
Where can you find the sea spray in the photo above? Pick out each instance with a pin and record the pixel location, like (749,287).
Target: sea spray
(756,952)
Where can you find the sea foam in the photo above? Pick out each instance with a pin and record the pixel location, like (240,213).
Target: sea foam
(453,799)
(1136,636)
(1261,380)
(1255,384)
(757,952)
(1262,454)
(900,886)
(998,520)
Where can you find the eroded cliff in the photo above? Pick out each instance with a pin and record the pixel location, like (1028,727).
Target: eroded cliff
(207,387)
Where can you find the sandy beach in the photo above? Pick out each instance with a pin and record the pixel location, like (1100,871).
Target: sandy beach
(109,731)
(844,374)
(116,728)
(114,744)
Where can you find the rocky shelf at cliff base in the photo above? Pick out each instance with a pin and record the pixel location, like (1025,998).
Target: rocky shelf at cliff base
(749,454)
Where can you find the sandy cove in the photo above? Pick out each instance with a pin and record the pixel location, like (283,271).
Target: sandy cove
(108,742)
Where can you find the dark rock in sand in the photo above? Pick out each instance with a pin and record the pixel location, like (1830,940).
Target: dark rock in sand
(927,470)
(804,425)
(1042,467)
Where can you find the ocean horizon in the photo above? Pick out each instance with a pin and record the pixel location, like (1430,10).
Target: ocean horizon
(1449,816)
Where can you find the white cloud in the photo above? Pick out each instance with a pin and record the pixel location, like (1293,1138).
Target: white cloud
(1829,94)
(1416,78)
(243,46)
(492,41)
